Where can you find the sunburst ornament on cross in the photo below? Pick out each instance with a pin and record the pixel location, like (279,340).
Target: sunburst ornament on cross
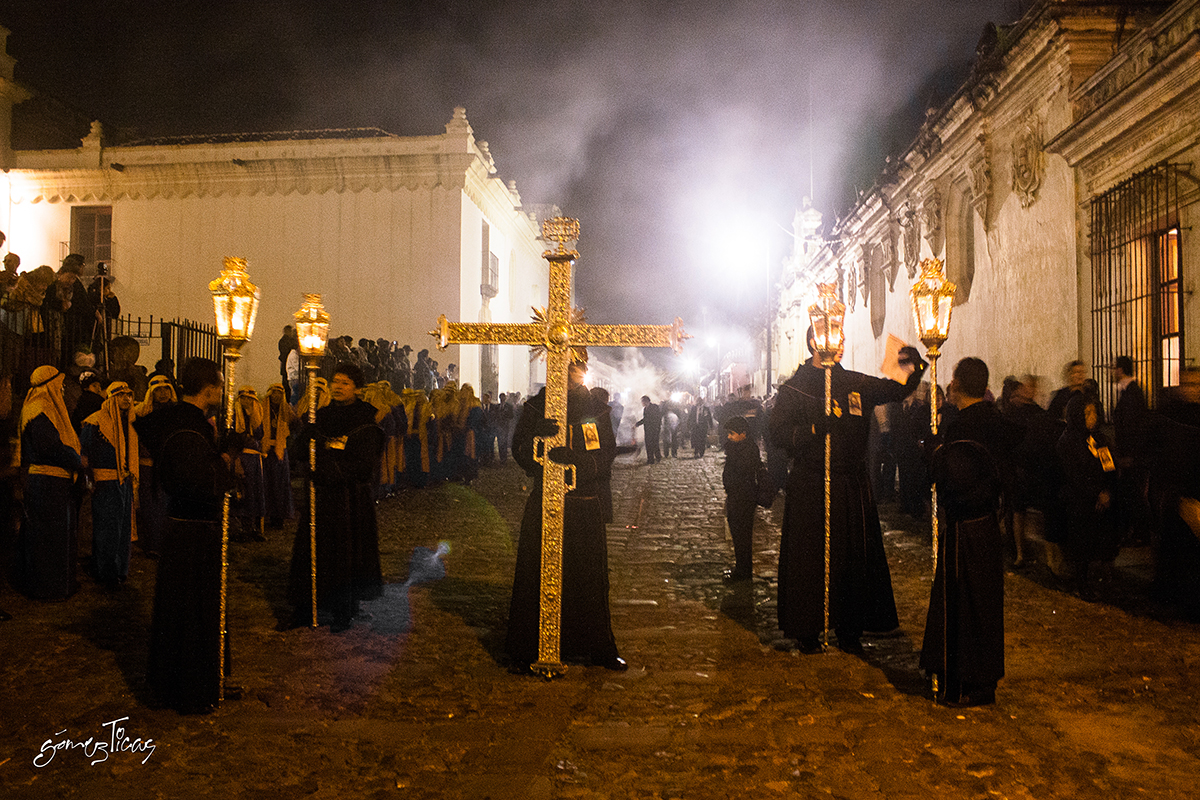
(557,330)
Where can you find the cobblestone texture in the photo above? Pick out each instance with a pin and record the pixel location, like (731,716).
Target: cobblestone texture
(1100,700)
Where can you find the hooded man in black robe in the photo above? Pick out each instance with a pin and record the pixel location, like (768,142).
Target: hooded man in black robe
(349,446)
(586,630)
(860,594)
(964,629)
(185,647)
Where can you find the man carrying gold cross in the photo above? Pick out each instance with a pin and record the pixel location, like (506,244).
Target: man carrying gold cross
(586,624)
(579,455)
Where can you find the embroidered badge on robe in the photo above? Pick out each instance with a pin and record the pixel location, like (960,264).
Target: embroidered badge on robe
(856,404)
(591,436)
(1103,454)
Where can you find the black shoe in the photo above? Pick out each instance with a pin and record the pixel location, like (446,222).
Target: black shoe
(978,697)
(810,646)
(339,626)
(616,664)
(520,668)
(850,645)
(5,616)
(737,576)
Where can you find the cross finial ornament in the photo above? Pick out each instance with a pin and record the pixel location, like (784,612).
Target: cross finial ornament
(561,230)
(559,330)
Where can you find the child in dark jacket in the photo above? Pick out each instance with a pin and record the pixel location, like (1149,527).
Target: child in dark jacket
(740,477)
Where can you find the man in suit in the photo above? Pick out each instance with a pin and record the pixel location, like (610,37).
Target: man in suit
(651,421)
(1129,425)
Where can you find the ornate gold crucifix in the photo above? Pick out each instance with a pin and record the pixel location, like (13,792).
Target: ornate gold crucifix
(557,330)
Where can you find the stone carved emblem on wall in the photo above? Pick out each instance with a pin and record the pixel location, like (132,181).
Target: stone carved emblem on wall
(891,261)
(863,263)
(851,274)
(912,239)
(981,181)
(1028,162)
(876,275)
(931,220)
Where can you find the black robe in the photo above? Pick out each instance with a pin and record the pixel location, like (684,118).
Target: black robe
(349,447)
(1090,533)
(964,629)
(586,630)
(1173,445)
(49,536)
(860,594)
(185,645)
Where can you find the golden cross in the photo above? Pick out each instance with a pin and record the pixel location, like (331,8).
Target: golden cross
(557,330)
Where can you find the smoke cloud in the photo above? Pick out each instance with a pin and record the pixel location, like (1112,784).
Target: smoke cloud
(652,122)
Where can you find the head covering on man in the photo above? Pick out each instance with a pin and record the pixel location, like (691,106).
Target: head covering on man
(275,422)
(239,412)
(46,397)
(322,389)
(157,382)
(116,429)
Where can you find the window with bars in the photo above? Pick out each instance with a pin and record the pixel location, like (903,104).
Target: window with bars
(91,233)
(1137,279)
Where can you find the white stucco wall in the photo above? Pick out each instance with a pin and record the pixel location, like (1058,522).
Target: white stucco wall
(380,260)
(386,229)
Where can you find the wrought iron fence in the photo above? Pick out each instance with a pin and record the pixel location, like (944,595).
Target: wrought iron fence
(31,337)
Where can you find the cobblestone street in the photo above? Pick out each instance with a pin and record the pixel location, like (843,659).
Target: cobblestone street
(1100,698)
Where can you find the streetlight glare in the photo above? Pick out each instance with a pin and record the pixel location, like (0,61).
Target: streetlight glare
(735,244)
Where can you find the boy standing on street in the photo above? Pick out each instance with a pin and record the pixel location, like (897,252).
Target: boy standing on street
(740,477)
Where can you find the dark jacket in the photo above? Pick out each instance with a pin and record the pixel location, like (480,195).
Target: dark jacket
(742,463)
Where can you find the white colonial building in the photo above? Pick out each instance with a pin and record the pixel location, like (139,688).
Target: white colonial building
(1057,187)
(391,231)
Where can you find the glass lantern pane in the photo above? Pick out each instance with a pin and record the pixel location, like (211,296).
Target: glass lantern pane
(221,312)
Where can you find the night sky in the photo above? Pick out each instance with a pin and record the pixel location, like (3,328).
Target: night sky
(658,124)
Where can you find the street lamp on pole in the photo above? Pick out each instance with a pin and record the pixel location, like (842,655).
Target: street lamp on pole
(932,302)
(235,306)
(827,316)
(312,329)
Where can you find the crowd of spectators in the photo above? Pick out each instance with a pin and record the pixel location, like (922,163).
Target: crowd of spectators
(1083,482)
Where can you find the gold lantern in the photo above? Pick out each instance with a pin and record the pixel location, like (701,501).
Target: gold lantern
(932,302)
(312,329)
(312,326)
(235,305)
(829,340)
(235,302)
(826,316)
